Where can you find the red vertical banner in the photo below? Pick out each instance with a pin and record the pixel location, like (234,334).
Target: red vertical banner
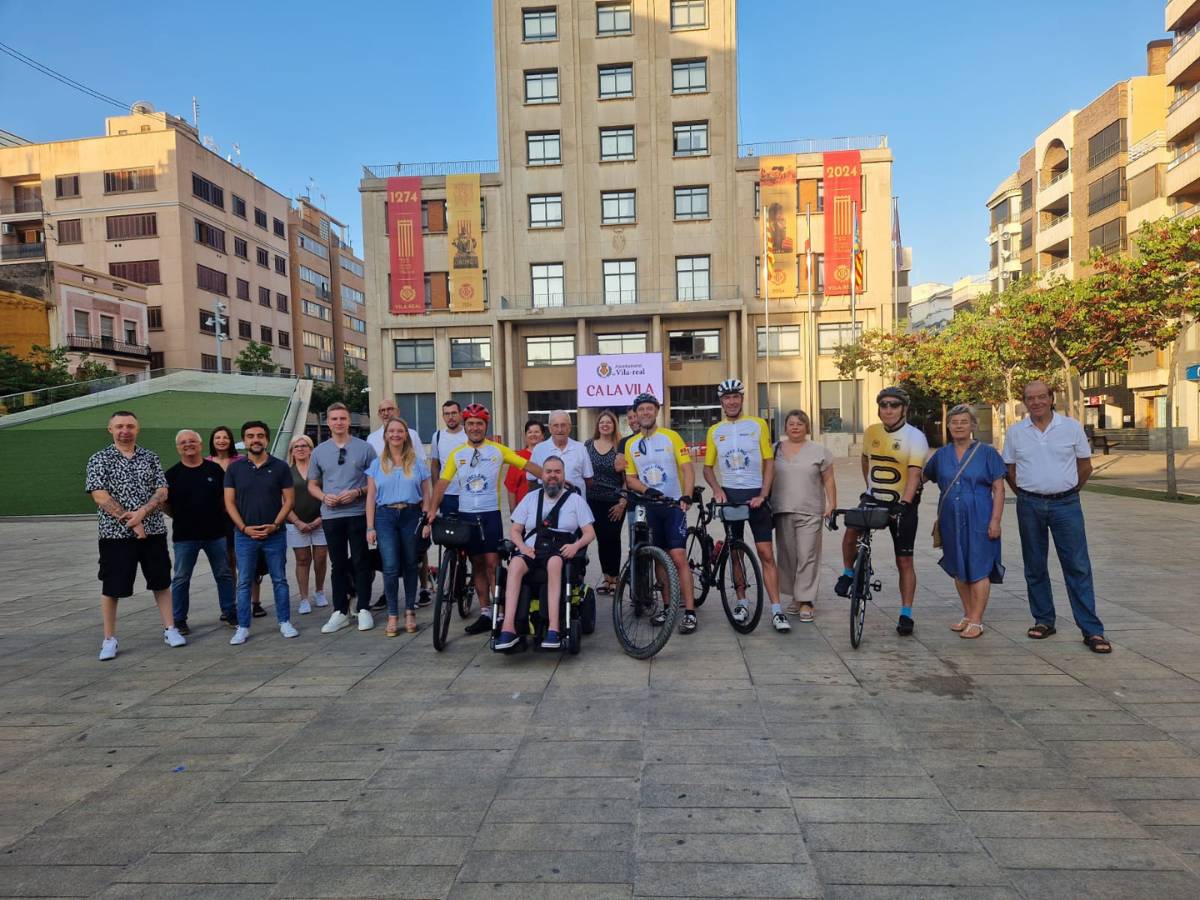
(843,196)
(404,240)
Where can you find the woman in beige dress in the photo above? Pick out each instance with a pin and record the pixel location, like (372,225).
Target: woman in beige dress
(802,496)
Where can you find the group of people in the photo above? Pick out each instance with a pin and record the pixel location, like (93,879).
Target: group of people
(330,502)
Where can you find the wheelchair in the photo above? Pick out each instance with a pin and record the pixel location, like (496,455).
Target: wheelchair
(577,610)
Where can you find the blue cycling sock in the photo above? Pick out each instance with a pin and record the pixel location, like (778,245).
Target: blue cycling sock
(906,611)
(849,573)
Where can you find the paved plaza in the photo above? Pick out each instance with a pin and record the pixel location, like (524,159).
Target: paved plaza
(766,766)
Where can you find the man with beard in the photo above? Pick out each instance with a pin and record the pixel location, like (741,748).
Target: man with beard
(549,518)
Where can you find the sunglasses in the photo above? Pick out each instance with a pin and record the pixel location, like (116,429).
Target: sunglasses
(641,446)
(342,456)
(475,457)
(890,404)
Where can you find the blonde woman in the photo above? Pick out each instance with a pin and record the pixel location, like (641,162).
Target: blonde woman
(305,535)
(397,489)
(802,496)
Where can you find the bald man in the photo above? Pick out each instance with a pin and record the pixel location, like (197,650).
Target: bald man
(196,505)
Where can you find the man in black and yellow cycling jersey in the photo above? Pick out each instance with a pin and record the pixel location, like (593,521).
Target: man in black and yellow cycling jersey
(740,446)
(893,457)
(657,463)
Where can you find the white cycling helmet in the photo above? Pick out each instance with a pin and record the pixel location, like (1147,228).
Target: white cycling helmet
(730,386)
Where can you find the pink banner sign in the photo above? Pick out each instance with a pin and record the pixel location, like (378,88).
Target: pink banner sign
(614,380)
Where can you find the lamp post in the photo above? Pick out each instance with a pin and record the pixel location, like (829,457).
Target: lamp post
(217,321)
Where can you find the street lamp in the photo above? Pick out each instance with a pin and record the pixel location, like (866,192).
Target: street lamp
(217,322)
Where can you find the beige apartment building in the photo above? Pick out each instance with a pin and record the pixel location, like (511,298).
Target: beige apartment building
(1089,181)
(148,203)
(622,217)
(329,319)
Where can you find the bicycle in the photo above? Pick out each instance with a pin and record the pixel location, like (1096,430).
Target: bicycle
(452,535)
(638,601)
(866,519)
(710,564)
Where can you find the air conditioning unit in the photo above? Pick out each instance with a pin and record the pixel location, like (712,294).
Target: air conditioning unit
(6,228)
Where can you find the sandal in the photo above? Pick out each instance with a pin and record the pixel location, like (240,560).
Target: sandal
(960,625)
(793,609)
(1097,643)
(392,630)
(972,631)
(410,622)
(1040,632)
(806,613)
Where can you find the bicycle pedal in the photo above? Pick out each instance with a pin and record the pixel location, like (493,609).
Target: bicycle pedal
(877,586)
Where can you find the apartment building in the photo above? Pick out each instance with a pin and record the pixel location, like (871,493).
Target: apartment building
(1089,180)
(329,316)
(622,216)
(148,203)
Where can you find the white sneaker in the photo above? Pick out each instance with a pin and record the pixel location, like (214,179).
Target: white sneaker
(781,623)
(108,649)
(173,637)
(336,622)
(239,636)
(305,607)
(365,620)
(319,598)
(288,630)
(741,614)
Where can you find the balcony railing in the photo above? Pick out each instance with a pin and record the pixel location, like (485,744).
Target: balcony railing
(1151,142)
(1188,213)
(1059,263)
(25,205)
(1185,155)
(717,293)
(1183,98)
(813,145)
(1182,37)
(1058,176)
(431,169)
(106,345)
(1107,152)
(1055,219)
(22,251)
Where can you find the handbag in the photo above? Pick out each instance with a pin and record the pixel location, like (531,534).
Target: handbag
(937,521)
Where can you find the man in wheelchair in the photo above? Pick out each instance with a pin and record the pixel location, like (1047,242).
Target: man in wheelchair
(549,526)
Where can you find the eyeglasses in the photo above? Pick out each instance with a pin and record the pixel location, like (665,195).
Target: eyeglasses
(475,457)
(890,404)
(342,456)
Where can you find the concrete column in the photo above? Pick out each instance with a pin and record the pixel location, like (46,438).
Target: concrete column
(735,368)
(511,387)
(656,346)
(586,416)
(498,383)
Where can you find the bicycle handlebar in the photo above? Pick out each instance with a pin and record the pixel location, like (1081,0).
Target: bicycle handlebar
(651,500)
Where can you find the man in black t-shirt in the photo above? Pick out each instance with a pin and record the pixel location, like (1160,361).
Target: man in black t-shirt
(196,505)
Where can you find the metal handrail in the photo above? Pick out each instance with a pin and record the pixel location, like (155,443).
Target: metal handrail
(1185,155)
(107,344)
(1058,176)
(20,206)
(1182,38)
(23,251)
(431,169)
(1149,143)
(813,145)
(1054,220)
(1183,98)
(715,293)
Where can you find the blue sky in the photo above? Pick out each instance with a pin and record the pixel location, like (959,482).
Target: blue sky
(959,88)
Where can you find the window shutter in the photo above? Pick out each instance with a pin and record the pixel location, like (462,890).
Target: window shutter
(439,282)
(437,216)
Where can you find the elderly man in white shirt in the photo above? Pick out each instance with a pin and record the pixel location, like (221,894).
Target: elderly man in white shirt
(387,411)
(1049,461)
(577,464)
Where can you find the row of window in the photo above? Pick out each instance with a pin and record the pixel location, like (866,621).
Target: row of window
(612,19)
(352,265)
(313,246)
(214,194)
(618,207)
(82,324)
(544,148)
(615,81)
(559,349)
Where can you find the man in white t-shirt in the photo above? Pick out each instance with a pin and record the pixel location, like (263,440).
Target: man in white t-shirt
(444,442)
(387,411)
(544,527)
(577,464)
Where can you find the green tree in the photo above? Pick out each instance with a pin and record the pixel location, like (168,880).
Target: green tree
(255,359)
(92,370)
(354,389)
(43,367)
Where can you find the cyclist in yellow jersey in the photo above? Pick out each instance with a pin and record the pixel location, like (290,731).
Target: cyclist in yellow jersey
(657,463)
(893,458)
(474,469)
(740,446)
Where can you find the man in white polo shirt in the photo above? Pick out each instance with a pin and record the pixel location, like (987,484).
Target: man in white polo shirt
(577,464)
(1049,460)
(387,411)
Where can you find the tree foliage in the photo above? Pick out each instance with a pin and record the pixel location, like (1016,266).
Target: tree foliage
(255,359)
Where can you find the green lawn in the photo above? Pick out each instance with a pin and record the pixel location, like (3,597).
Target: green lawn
(45,460)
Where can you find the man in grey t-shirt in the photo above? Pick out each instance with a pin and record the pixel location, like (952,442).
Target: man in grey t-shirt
(337,476)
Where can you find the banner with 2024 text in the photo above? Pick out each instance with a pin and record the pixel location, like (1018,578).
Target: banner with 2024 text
(843,203)
(614,380)
(407,292)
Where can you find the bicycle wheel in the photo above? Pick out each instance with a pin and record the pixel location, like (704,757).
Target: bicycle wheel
(443,600)
(699,553)
(739,576)
(638,601)
(466,599)
(860,596)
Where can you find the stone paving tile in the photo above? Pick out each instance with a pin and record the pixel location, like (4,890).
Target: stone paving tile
(698,879)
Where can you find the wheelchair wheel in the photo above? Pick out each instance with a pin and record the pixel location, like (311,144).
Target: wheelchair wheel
(587,611)
(740,577)
(699,555)
(642,618)
(443,601)
(574,637)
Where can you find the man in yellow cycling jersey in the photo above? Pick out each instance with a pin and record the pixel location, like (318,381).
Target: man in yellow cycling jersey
(741,447)
(893,457)
(657,463)
(474,469)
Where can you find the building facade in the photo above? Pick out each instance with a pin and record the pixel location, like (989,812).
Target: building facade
(148,203)
(329,319)
(622,217)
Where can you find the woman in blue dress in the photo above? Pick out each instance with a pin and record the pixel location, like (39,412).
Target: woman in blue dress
(970,476)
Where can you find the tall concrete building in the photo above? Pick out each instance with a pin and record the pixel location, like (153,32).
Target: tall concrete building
(328,313)
(1089,180)
(622,217)
(148,203)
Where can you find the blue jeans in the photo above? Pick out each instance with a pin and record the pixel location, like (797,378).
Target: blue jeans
(1039,520)
(274,548)
(396,531)
(186,554)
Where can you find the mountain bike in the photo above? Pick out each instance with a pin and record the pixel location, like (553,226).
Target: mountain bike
(730,564)
(452,535)
(646,604)
(866,519)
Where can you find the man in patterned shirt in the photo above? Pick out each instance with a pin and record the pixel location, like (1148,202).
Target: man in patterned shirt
(129,487)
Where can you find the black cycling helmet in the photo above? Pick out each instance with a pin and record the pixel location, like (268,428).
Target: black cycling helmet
(645,398)
(897,393)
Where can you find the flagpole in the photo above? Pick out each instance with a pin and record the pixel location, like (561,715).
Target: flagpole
(895,265)
(762,214)
(854,304)
(810,359)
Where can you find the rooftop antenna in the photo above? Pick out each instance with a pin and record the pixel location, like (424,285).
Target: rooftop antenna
(195,113)
(237,151)
(308,188)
